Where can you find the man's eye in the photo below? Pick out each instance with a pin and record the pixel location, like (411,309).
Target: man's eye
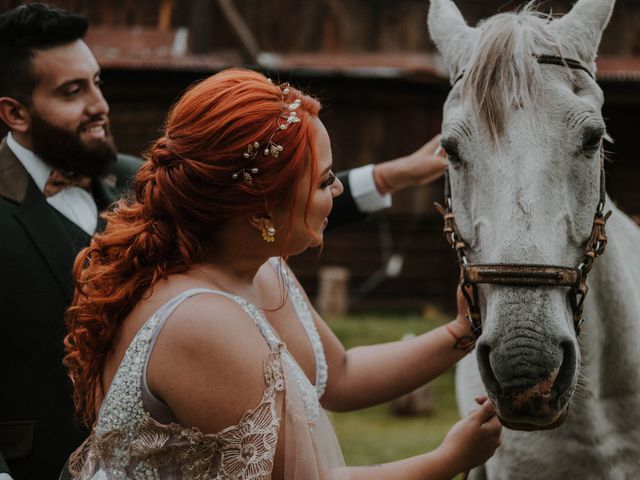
(329,181)
(72,93)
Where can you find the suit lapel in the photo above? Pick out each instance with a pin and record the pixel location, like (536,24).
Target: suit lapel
(40,221)
(14,179)
(104,191)
(49,236)
(37,218)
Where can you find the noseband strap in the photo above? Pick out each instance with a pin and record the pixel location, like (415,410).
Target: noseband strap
(520,275)
(527,275)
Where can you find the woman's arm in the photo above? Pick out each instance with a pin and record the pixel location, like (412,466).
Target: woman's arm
(369,375)
(469,443)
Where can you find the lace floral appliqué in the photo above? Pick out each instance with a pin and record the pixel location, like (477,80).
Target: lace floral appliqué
(243,451)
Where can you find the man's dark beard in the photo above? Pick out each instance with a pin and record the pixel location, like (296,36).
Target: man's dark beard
(63,150)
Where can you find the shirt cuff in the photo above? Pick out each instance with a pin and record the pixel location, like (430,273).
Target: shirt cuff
(364,191)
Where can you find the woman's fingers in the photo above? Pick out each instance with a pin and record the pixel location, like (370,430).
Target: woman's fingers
(486,411)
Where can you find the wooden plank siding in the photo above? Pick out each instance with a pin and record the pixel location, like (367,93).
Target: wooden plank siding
(333,25)
(369,119)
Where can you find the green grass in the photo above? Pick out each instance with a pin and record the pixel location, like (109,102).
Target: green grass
(376,435)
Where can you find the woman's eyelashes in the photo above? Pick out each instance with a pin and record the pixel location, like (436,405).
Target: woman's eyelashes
(329,181)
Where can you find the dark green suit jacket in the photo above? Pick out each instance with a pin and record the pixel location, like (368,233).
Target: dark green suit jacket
(37,250)
(345,210)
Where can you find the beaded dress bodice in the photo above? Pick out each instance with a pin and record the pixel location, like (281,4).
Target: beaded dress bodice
(128,443)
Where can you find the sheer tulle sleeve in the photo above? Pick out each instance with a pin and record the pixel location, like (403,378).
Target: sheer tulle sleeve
(312,451)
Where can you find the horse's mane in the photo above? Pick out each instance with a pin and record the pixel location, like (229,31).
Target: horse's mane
(503,71)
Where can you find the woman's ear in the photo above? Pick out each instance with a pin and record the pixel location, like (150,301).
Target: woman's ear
(14,114)
(264,224)
(257,220)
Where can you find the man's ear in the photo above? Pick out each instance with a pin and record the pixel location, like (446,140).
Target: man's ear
(15,115)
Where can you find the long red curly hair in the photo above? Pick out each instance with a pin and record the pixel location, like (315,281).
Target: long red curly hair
(183,192)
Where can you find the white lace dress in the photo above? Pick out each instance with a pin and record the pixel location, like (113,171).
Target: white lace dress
(129,441)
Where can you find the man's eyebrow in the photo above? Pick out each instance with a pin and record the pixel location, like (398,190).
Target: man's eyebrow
(69,83)
(76,81)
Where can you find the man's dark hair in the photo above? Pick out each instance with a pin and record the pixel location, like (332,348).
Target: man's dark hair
(23,31)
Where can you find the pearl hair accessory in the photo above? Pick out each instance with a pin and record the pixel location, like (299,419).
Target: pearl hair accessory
(288,116)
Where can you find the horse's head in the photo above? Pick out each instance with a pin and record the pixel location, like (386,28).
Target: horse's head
(524,139)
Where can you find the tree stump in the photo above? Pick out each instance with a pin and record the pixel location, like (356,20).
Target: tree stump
(333,291)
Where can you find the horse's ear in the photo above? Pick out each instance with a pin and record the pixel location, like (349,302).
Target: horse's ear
(451,34)
(582,27)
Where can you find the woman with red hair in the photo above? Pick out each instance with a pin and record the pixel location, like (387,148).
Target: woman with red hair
(193,351)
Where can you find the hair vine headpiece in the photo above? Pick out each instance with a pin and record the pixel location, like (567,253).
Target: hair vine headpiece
(286,117)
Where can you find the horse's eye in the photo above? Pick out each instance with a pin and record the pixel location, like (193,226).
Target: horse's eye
(591,140)
(451,149)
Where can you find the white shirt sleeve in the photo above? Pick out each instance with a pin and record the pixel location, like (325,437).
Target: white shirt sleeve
(5,476)
(364,191)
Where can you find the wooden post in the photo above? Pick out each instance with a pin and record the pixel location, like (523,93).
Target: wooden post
(164,15)
(333,291)
(201,26)
(250,48)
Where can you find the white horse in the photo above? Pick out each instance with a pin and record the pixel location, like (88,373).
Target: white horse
(523,138)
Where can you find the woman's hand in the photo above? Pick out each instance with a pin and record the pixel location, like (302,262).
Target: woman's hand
(474,439)
(460,328)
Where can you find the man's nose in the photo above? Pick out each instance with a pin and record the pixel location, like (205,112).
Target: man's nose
(97,104)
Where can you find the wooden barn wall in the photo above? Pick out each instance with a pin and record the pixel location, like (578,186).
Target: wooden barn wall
(370,120)
(330,25)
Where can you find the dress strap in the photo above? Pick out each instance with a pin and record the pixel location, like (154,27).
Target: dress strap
(131,378)
(256,315)
(159,408)
(305,317)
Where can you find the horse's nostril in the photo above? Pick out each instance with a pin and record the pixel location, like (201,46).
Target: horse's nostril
(567,369)
(484,363)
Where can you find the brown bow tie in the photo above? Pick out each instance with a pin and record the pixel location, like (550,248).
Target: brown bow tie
(58,181)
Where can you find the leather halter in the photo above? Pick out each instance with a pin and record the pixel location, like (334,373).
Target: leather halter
(523,274)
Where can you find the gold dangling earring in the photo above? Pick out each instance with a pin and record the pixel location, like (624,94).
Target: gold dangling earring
(268,232)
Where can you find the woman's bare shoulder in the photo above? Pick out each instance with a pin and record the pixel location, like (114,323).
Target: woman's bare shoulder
(211,325)
(208,363)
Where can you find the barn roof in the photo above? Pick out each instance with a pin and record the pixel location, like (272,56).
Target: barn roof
(141,48)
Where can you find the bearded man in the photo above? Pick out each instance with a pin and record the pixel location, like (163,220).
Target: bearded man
(58,170)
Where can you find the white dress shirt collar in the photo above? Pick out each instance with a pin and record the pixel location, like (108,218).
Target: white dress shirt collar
(74,203)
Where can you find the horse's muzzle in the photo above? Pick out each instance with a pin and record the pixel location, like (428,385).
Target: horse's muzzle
(529,427)
(528,398)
